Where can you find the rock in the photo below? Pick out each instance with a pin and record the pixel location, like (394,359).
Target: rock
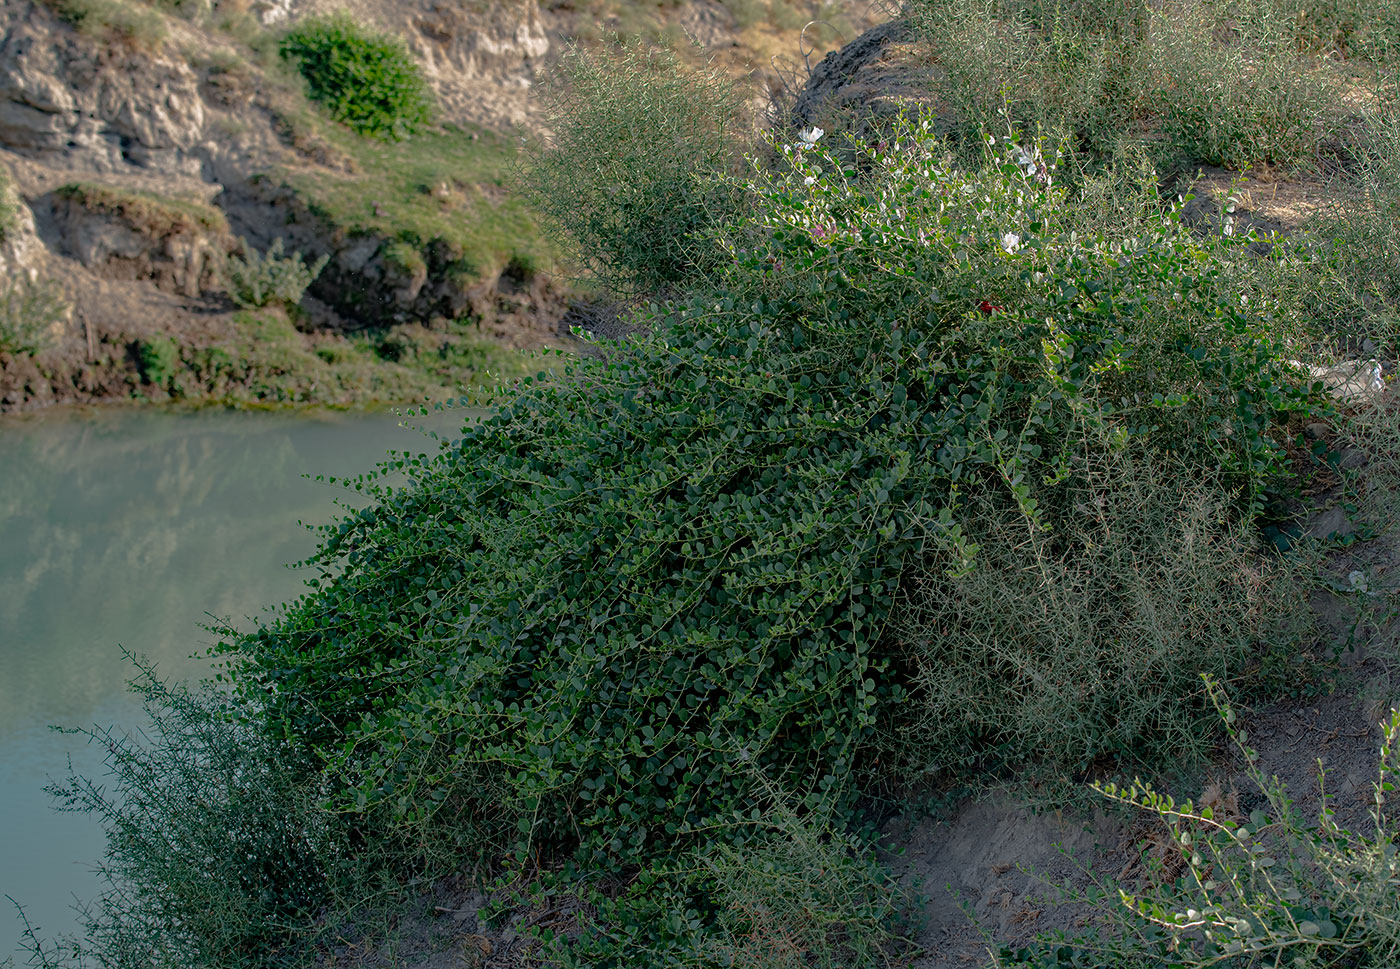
(1316,431)
(1352,381)
(21,250)
(179,253)
(710,24)
(25,259)
(868,77)
(271,12)
(23,127)
(480,60)
(355,256)
(1331,523)
(74,104)
(1353,458)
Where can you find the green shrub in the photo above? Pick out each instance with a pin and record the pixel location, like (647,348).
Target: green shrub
(628,172)
(1092,637)
(1250,100)
(1271,889)
(159,360)
(1351,29)
(1228,86)
(367,80)
(1353,285)
(596,625)
(799,894)
(261,279)
(29,311)
(217,851)
(1074,68)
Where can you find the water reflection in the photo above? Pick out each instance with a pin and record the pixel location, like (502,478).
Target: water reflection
(132,528)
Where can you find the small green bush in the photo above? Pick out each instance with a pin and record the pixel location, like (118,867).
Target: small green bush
(1092,637)
(29,311)
(801,893)
(217,850)
(1251,100)
(159,360)
(1273,888)
(628,173)
(261,279)
(367,80)
(801,896)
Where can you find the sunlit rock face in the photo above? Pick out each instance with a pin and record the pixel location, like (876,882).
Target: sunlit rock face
(483,63)
(103,108)
(21,250)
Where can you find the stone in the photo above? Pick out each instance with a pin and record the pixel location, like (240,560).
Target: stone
(1351,381)
(23,127)
(1331,523)
(1353,458)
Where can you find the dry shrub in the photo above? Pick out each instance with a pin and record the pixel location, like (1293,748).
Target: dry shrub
(1091,639)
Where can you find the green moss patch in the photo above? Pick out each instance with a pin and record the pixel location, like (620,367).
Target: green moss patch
(442,191)
(266,361)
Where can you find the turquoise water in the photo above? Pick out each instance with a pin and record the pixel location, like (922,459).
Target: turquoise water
(130,528)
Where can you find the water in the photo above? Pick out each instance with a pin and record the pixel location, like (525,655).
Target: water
(125,528)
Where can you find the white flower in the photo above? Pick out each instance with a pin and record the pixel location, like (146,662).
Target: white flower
(1011,242)
(810,180)
(810,136)
(1357,581)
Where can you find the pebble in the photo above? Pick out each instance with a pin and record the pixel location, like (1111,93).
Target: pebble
(1353,458)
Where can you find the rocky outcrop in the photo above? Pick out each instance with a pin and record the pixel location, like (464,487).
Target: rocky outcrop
(22,252)
(871,77)
(99,108)
(481,62)
(178,246)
